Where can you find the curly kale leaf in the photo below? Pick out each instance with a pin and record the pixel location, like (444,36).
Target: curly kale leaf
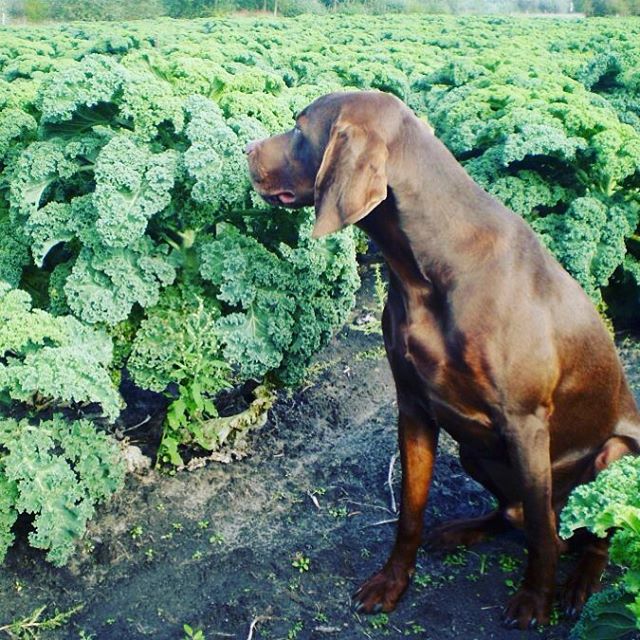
(57,298)
(282,304)
(57,359)
(58,222)
(132,185)
(86,93)
(601,70)
(540,140)
(94,80)
(595,505)
(606,616)
(275,113)
(55,471)
(14,125)
(588,239)
(14,251)
(252,278)
(616,152)
(8,512)
(178,342)
(35,170)
(149,103)
(106,282)
(215,160)
(610,502)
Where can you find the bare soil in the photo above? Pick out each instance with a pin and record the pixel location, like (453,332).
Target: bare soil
(282,537)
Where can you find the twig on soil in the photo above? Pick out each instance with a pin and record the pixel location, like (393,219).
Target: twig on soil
(381,522)
(314,499)
(135,426)
(254,622)
(392,463)
(368,505)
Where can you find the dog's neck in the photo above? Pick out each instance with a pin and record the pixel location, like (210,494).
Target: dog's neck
(436,222)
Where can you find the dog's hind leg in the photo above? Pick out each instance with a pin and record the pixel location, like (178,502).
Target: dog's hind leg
(469,531)
(586,576)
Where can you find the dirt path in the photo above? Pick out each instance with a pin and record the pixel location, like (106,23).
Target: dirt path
(282,537)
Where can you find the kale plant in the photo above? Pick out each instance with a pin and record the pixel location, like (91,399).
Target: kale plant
(610,505)
(57,471)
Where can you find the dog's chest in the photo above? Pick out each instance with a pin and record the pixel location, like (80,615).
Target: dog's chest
(446,378)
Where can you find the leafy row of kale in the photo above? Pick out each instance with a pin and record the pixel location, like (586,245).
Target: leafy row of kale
(127,216)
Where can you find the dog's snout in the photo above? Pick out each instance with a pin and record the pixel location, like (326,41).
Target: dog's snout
(251,147)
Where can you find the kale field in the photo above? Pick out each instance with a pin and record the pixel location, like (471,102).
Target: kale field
(154,312)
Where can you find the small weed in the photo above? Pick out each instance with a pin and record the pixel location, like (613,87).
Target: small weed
(484,559)
(203,524)
(18,586)
(365,553)
(295,630)
(379,621)
(192,634)
(31,626)
(177,526)
(315,370)
(301,562)
(511,585)
(136,532)
(380,286)
(414,628)
(508,563)
(321,617)
(160,507)
(338,512)
(294,584)
(167,536)
(423,580)
(376,353)
(150,554)
(216,538)
(456,559)
(197,555)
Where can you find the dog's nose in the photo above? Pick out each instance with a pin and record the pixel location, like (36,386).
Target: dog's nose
(251,147)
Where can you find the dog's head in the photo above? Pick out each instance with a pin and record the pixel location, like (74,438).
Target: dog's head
(335,158)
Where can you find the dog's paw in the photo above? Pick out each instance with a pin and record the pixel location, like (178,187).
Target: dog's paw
(577,589)
(382,591)
(526,609)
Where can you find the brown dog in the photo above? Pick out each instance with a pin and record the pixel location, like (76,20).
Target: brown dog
(486,334)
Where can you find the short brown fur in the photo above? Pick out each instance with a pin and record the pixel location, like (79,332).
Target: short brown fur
(487,336)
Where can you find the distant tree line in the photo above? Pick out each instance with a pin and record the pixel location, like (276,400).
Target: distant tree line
(39,10)
(608,7)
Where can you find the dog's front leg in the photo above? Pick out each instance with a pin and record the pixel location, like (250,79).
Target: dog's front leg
(418,439)
(528,443)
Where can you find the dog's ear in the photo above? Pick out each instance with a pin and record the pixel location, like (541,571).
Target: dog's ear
(352,179)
